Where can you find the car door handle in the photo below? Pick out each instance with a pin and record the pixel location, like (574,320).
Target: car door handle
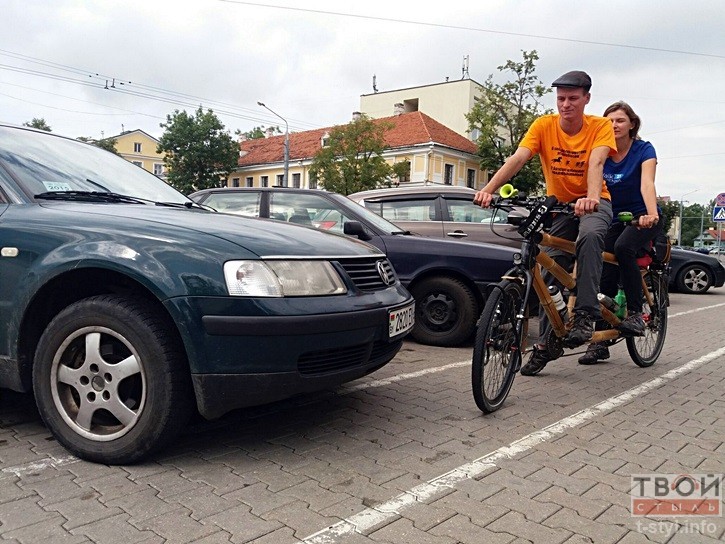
(456,234)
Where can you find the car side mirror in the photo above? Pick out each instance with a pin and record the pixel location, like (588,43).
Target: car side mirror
(355,228)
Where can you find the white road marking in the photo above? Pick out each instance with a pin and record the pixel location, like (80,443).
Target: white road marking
(37,466)
(369,518)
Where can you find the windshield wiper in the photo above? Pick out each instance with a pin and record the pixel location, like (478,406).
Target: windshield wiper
(90,196)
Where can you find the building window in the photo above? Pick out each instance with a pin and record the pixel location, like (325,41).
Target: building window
(137,147)
(471,178)
(138,163)
(448,175)
(235,182)
(264,181)
(250,181)
(158,169)
(296,180)
(313,182)
(280,180)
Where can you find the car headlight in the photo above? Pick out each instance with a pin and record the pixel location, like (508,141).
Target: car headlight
(282,278)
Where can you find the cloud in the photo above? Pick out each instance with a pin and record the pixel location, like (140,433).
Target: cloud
(310,63)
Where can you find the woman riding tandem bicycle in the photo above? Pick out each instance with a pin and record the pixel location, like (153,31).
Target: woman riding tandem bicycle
(630,178)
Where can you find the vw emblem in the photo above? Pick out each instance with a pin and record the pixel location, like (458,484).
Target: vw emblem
(387,277)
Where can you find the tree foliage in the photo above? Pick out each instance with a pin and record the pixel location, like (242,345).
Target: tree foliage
(39,123)
(352,159)
(257,133)
(696,219)
(109,144)
(199,152)
(502,116)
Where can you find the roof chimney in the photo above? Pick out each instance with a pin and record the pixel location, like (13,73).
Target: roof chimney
(270,132)
(399,108)
(356,115)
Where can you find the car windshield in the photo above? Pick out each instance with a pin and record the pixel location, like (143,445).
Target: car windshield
(45,163)
(372,217)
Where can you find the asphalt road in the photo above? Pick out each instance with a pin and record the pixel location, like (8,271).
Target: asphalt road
(404,456)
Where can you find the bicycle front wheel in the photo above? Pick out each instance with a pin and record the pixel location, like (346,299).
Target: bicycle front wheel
(644,350)
(497,347)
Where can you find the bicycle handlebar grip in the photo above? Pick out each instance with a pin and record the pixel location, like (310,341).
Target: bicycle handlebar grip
(508,191)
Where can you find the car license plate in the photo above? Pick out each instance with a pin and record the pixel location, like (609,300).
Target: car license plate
(401,320)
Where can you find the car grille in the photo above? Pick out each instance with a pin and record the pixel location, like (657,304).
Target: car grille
(338,359)
(364,272)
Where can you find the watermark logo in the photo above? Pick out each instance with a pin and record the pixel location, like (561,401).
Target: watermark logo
(668,495)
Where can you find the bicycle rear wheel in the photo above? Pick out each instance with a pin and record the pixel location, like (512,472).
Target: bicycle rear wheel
(644,350)
(497,348)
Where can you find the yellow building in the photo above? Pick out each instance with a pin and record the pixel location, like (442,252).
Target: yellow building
(437,155)
(447,102)
(139,148)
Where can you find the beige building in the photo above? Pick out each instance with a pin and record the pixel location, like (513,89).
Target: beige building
(436,154)
(140,148)
(447,103)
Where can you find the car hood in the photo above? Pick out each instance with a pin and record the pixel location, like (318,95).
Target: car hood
(265,238)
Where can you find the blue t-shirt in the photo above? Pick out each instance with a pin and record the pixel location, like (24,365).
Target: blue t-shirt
(624,179)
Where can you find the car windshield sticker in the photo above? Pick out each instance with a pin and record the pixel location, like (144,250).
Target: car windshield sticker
(56,186)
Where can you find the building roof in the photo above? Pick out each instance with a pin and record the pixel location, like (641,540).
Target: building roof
(409,129)
(127,132)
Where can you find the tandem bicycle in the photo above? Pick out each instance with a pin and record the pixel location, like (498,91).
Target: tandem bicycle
(502,329)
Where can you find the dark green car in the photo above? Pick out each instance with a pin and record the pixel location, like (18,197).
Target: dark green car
(125,306)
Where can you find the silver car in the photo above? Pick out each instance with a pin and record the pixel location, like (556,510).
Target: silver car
(440,211)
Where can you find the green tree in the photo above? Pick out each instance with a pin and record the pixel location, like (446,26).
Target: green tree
(199,152)
(257,133)
(696,218)
(109,144)
(352,158)
(39,123)
(502,116)
(670,210)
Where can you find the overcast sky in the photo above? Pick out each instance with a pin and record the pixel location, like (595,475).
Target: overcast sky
(311,64)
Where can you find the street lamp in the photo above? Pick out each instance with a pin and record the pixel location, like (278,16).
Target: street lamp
(679,225)
(285,182)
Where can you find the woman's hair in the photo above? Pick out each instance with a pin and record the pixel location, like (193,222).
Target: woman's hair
(629,112)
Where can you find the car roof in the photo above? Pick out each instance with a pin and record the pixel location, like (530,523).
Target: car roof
(257,190)
(413,190)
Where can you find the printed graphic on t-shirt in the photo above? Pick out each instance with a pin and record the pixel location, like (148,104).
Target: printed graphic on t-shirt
(612,179)
(568,162)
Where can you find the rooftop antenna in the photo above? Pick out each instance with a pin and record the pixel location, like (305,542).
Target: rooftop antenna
(465,68)
(375,86)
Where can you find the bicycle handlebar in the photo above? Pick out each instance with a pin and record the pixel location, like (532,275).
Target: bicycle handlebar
(511,197)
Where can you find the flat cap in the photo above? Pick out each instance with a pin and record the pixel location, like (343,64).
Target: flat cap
(575,78)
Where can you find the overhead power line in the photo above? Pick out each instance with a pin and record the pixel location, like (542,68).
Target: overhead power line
(473,29)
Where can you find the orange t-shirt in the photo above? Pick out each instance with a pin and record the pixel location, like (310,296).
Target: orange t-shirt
(565,158)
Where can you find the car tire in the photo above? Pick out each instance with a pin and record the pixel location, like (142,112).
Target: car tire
(111,379)
(694,279)
(446,312)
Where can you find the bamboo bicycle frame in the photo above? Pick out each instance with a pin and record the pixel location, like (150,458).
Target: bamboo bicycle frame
(568,280)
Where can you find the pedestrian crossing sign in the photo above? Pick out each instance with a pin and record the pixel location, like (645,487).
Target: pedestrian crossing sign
(718,213)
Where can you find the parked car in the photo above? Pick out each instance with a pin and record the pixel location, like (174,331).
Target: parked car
(445,211)
(694,273)
(447,278)
(125,306)
(440,211)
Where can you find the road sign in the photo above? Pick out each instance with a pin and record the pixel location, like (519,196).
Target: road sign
(718,211)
